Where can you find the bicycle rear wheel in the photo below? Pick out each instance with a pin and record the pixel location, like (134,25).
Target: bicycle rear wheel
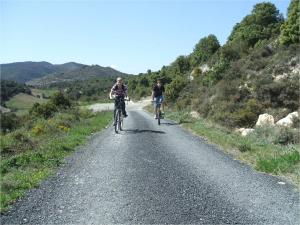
(120,121)
(158,115)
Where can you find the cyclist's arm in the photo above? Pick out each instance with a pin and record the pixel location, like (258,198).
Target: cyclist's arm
(126,92)
(112,92)
(152,95)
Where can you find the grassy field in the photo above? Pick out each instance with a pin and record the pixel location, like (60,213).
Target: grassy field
(21,103)
(33,152)
(40,92)
(257,149)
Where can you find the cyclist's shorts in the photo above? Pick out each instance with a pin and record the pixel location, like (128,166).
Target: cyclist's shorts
(159,99)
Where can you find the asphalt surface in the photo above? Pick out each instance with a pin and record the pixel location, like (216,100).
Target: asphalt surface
(150,174)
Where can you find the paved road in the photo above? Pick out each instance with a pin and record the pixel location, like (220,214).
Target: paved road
(152,174)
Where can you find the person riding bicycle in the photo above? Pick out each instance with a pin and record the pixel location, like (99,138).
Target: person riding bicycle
(119,90)
(157,95)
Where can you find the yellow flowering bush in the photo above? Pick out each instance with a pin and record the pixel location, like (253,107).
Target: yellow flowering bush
(63,128)
(38,129)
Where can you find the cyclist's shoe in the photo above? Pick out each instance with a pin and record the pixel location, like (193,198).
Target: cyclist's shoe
(125,115)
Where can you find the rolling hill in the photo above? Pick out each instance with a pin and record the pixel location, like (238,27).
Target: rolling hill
(26,71)
(45,73)
(83,73)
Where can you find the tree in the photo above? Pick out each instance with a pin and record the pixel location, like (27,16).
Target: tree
(290,29)
(205,48)
(182,65)
(263,23)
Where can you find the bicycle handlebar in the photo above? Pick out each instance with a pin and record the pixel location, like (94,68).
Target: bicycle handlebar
(125,99)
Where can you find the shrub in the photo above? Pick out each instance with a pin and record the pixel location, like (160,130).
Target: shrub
(248,114)
(174,88)
(43,110)
(285,135)
(60,100)
(37,130)
(85,113)
(63,128)
(244,146)
(277,113)
(16,142)
(9,122)
(278,134)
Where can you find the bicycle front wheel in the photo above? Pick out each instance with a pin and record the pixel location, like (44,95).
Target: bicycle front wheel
(158,118)
(116,123)
(120,121)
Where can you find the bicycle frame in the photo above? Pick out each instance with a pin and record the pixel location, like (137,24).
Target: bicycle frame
(158,111)
(118,116)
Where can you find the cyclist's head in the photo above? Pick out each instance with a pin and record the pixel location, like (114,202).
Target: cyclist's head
(158,81)
(119,80)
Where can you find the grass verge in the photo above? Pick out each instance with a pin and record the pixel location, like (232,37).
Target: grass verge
(45,151)
(256,150)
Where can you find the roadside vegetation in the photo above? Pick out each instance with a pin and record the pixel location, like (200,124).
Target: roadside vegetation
(34,144)
(273,150)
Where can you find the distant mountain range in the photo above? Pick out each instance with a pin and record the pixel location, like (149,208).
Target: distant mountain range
(45,73)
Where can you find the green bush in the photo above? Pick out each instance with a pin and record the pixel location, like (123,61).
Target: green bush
(16,142)
(248,114)
(278,134)
(175,87)
(9,122)
(285,135)
(244,146)
(60,100)
(46,110)
(86,113)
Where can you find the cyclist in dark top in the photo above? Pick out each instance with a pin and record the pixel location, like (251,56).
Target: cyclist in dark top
(119,90)
(157,94)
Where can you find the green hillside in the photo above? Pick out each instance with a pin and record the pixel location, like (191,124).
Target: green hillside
(21,103)
(256,71)
(26,71)
(84,73)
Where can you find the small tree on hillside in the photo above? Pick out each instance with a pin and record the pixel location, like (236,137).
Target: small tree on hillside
(205,48)
(290,29)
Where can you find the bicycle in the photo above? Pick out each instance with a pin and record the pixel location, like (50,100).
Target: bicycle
(158,113)
(118,116)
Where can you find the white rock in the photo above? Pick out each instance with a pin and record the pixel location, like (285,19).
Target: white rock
(247,131)
(204,68)
(4,110)
(281,77)
(239,130)
(195,115)
(288,120)
(265,119)
(244,131)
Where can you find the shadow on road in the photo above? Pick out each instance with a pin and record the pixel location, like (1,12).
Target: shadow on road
(168,124)
(136,131)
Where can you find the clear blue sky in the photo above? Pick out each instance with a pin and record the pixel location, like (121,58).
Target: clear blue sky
(131,36)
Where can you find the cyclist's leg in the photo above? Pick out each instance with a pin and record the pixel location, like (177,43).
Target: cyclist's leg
(115,110)
(157,105)
(154,107)
(162,99)
(123,108)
